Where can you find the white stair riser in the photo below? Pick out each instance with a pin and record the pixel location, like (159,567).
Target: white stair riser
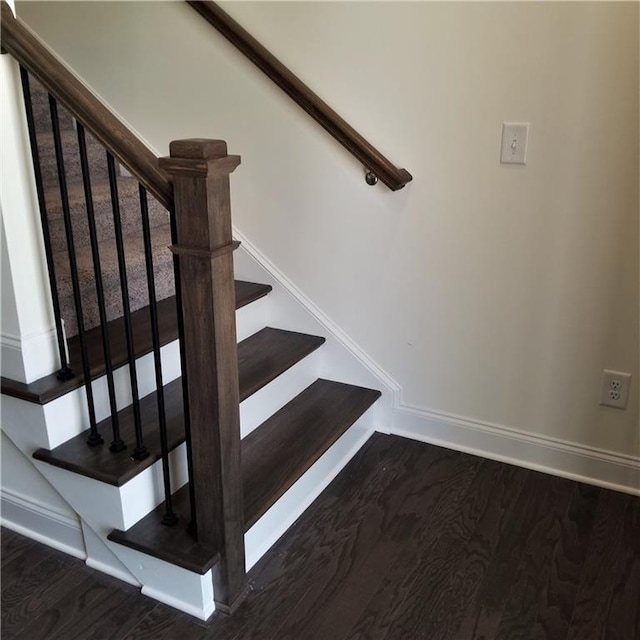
(68,416)
(104,507)
(174,586)
(251,318)
(288,308)
(264,533)
(100,506)
(145,492)
(266,401)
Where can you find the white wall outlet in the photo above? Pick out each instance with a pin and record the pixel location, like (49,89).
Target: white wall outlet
(614,391)
(514,142)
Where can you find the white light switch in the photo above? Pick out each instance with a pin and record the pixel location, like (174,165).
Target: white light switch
(514,142)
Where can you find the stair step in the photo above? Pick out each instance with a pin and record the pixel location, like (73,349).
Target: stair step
(274,457)
(136,278)
(49,388)
(129,200)
(278,452)
(96,154)
(262,357)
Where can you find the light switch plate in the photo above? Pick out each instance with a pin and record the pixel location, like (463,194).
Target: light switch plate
(514,142)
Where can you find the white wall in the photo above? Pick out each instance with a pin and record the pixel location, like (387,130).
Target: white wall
(489,292)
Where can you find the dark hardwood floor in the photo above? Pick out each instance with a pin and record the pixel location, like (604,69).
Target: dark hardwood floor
(410,541)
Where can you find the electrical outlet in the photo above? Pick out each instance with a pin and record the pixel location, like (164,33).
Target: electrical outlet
(614,391)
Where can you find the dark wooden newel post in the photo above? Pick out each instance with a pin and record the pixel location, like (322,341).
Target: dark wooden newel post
(200,171)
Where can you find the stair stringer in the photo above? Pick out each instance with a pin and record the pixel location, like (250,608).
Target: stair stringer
(121,507)
(103,507)
(55,422)
(342,359)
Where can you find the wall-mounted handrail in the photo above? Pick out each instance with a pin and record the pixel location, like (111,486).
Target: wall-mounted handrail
(300,93)
(84,106)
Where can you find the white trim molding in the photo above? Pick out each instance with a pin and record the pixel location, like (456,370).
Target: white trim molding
(319,316)
(570,460)
(42,523)
(558,457)
(29,357)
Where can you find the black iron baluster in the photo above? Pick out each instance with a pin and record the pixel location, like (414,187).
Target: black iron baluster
(65,372)
(169,517)
(185,386)
(117,443)
(94,437)
(140,452)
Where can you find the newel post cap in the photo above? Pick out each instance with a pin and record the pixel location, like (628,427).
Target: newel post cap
(198,149)
(199,156)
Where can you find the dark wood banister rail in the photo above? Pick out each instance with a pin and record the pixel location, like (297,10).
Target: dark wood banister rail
(300,93)
(84,106)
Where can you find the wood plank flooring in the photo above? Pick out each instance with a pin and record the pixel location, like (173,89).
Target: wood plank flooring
(410,541)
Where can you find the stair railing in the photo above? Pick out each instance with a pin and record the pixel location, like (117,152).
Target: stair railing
(375,163)
(200,171)
(200,221)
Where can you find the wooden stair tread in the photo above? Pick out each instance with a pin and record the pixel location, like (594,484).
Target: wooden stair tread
(49,387)
(278,350)
(262,357)
(274,456)
(172,544)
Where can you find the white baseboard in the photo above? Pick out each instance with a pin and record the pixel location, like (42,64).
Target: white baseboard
(42,523)
(593,466)
(202,613)
(103,567)
(551,455)
(101,558)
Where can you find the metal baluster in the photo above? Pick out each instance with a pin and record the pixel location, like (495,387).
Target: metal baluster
(65,372)
(185,385)
(117,443)
(169,517)
(140,452)
(94,437)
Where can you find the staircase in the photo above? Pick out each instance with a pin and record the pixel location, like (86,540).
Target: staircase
(298,428)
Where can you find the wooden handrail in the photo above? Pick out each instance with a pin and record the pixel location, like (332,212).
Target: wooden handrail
(300,93)
(84,106)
